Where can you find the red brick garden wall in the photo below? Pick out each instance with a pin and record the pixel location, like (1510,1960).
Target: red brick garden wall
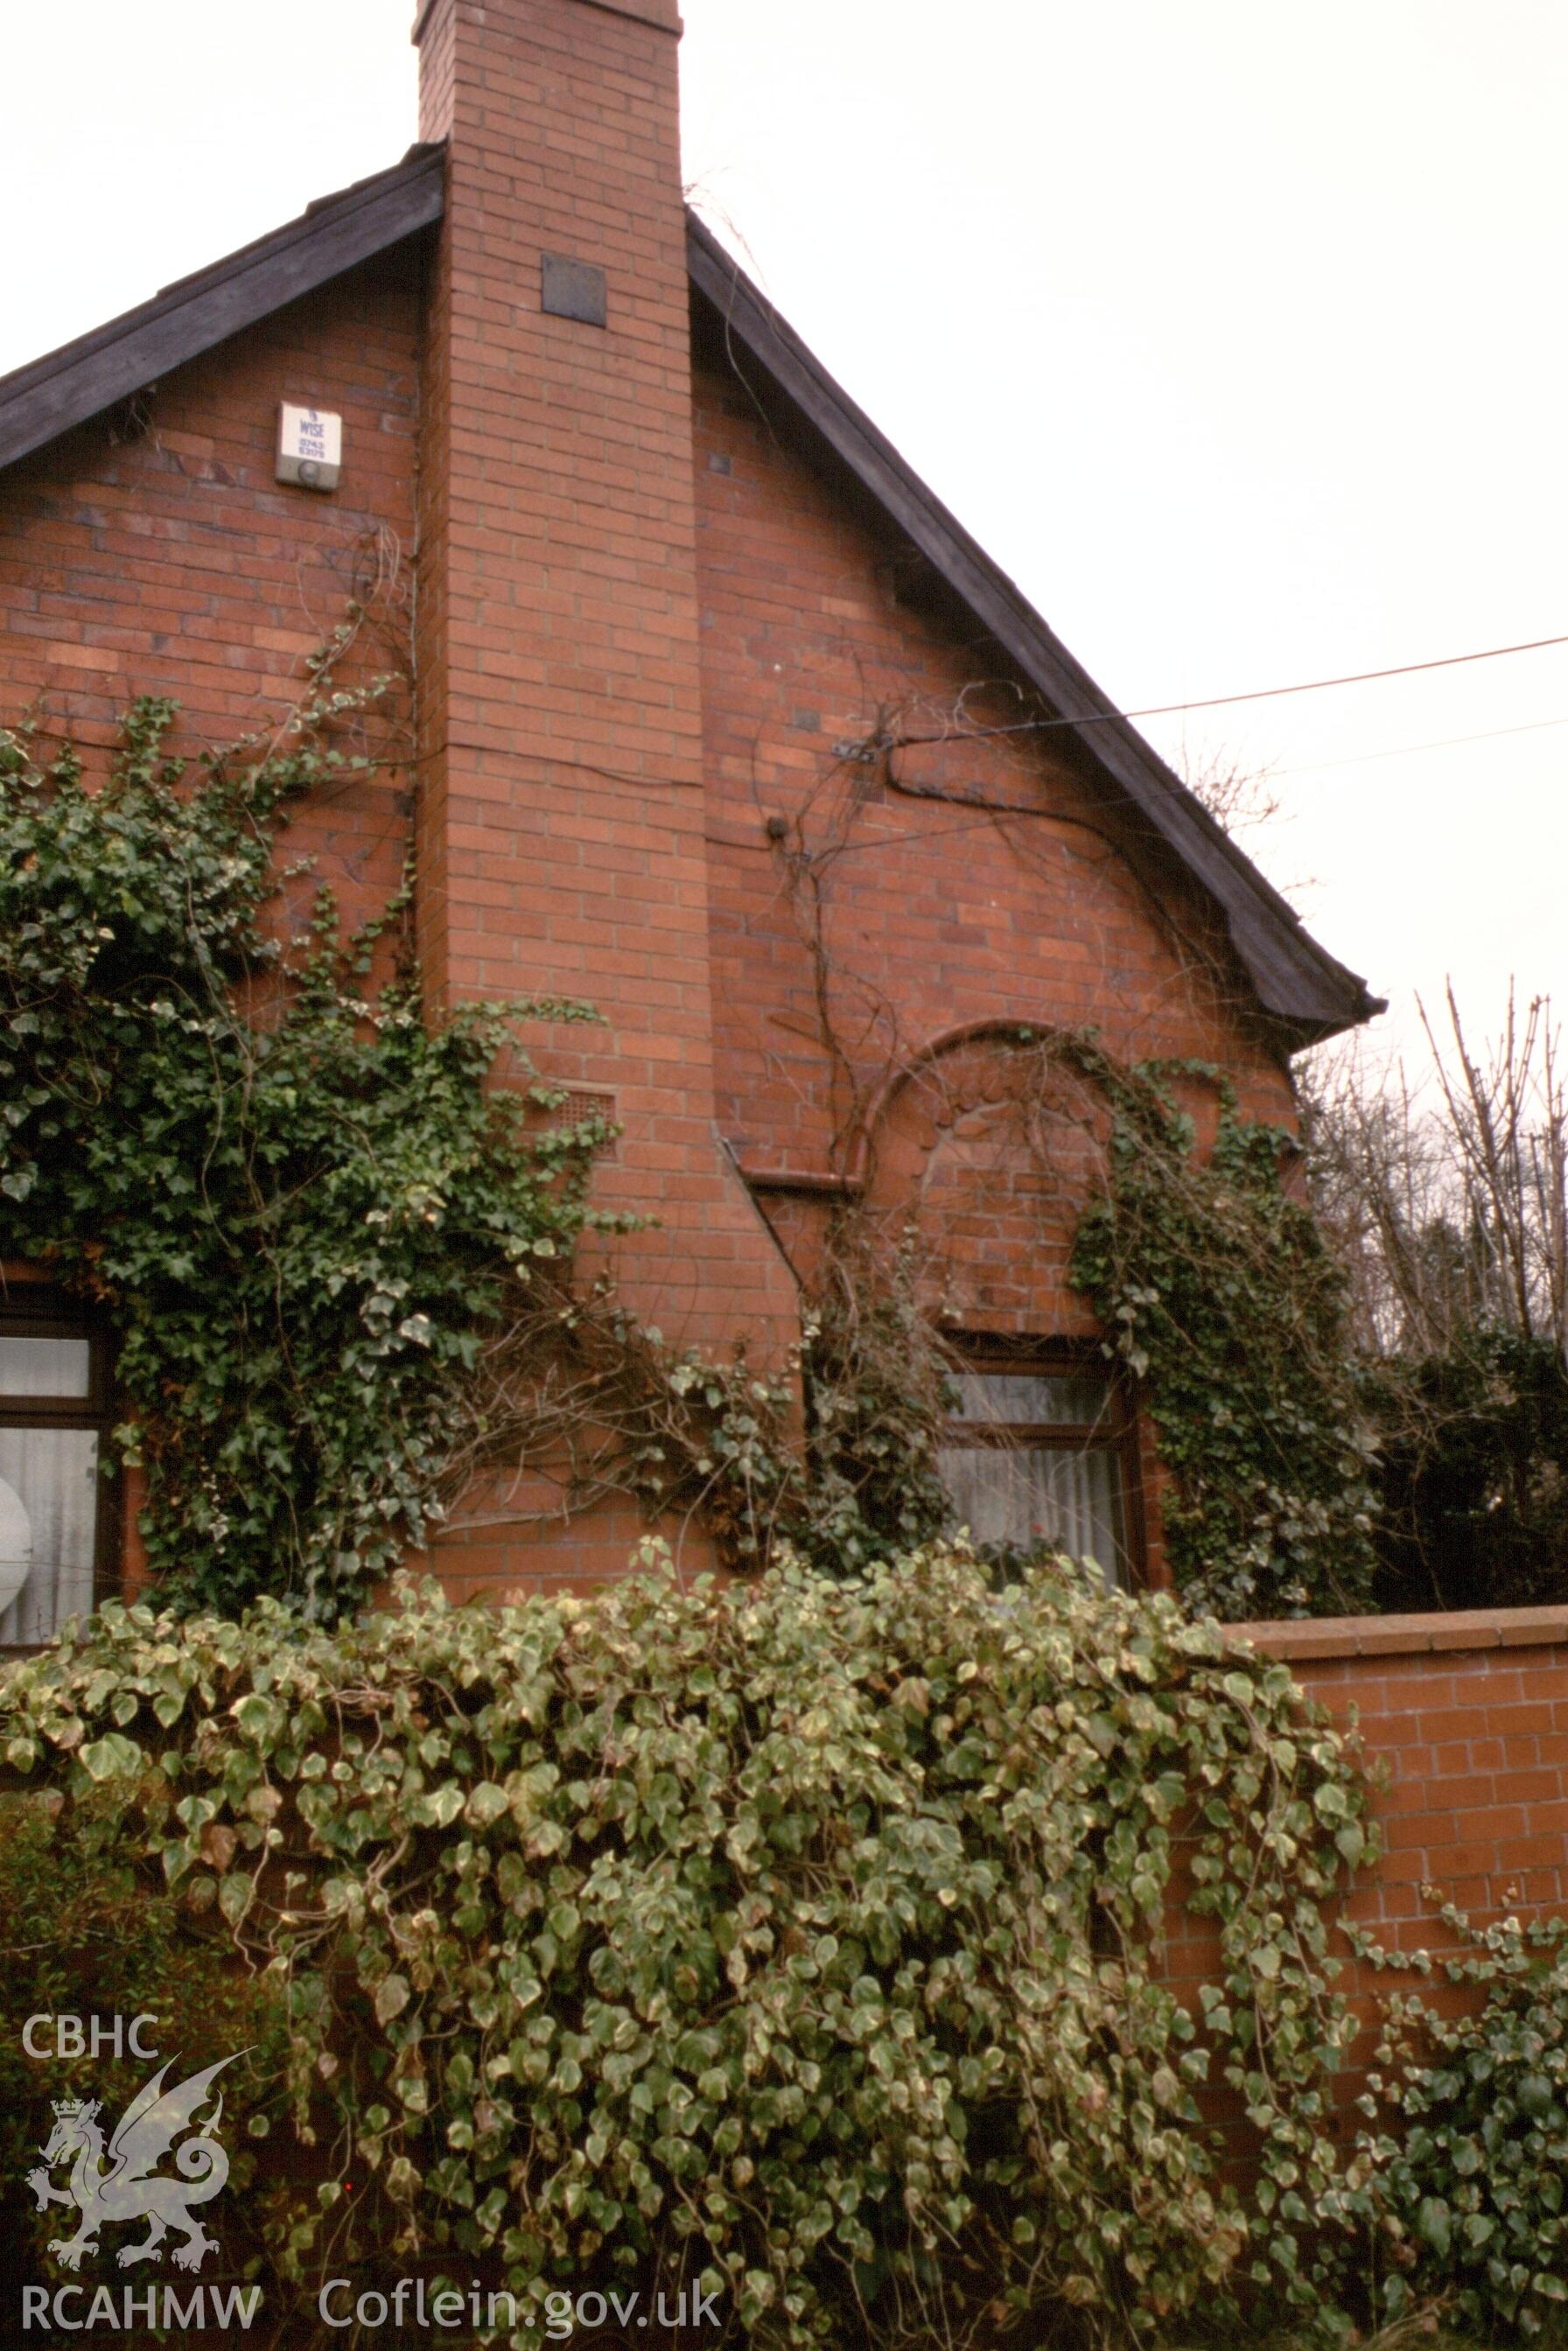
(1464,1720)
(1469,1714)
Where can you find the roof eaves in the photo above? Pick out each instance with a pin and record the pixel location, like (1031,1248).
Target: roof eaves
(1298,982)
(51,396)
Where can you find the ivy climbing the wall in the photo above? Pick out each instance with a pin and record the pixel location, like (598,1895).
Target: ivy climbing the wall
(334,1258)
(878,1391)
(293,1198)
(1225,1300)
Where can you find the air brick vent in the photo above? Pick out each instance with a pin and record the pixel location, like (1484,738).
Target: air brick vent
(588,1101)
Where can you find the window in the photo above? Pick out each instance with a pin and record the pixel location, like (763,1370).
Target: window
(1037,1454)
(53,1501)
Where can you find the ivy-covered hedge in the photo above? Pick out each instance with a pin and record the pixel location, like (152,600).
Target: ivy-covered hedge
(805,1937)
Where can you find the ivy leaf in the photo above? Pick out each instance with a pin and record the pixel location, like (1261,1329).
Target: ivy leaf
(392,1996)
(236,1894)
(487,1804)
(437,1808)
(112,1757)
(1434,2222)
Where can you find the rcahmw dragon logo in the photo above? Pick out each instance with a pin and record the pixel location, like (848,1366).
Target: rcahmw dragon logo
(125,2187)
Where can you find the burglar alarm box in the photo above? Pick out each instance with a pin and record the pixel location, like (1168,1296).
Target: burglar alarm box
(309,447)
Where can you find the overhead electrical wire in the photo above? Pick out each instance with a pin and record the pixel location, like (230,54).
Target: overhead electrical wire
(1256,694)
(1355,677)
(1403,750)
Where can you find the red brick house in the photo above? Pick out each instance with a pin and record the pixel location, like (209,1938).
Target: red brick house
(723,721)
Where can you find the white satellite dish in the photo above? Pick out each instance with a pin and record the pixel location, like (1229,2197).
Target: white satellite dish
(15,1544)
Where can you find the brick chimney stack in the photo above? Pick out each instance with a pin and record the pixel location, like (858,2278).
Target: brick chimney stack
(560,834)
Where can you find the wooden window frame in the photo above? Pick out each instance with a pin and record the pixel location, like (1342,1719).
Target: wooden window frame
(1117,1433)
(45,1314)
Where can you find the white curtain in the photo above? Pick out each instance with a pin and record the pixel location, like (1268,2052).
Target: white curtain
(55,1471)
(1040,1494)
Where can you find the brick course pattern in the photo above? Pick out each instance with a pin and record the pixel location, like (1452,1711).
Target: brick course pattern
(1469,1714)
(561,845)
(151,551)
(943,919)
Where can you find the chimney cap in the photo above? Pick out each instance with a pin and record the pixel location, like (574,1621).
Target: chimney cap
(664,15)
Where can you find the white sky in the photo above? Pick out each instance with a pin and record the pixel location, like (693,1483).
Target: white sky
(1236,332)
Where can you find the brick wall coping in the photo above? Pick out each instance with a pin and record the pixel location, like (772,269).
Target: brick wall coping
(1396,1637)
